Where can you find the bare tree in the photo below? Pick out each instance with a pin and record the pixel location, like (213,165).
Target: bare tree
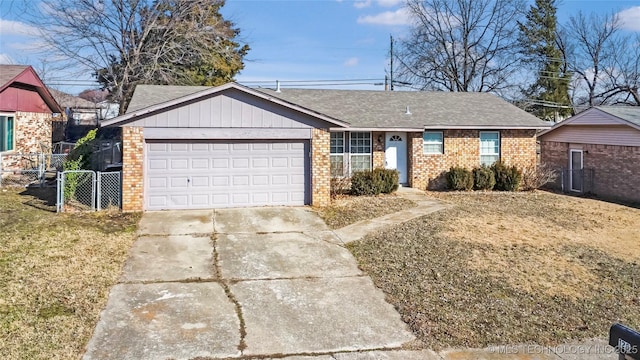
(606,63)
(462,45)
(126,42)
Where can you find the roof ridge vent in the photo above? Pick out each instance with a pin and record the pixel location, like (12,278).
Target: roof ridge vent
(408,112)
(278,86)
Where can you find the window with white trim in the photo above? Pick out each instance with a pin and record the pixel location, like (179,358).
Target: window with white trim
(433,142)
(360,151)
(489,147)
(337,154)
(7,125)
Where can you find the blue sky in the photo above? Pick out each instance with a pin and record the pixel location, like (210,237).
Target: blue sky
(298,39)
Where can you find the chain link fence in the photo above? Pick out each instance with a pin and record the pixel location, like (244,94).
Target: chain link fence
(29,169)
(578,181)
(87,190)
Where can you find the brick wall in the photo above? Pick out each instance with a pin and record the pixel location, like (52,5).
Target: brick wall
(378,149)
(32,130)
(320,168)
(616,168)
(462,148)
(132,168)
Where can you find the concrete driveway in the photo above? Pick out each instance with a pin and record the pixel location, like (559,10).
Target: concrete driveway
(242,283)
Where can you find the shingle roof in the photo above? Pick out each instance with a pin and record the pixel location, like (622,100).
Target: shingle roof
(387,109)
(379,109)
(69,101)
(628,113)
(8,72)
(148,95)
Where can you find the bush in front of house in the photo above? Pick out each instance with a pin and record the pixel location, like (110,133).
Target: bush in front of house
(374,182)
(390,179)
(535,177)
(508,178)
(483,178)
(459,178)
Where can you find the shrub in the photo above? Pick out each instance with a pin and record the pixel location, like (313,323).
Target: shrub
(483,178)
(374,182)
(339,186)
(365,183)
(508,178)
(389,179)
(459,178)
(536,177)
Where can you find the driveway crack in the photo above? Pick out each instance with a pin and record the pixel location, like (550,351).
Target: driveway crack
(227,290)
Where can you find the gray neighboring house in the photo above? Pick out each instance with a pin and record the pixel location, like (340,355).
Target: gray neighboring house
(598,151)
(230,146)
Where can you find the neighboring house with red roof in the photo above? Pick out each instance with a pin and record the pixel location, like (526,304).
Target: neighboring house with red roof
(27,110)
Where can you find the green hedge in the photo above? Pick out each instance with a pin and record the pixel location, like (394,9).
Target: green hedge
(483,178)
(508,178)
(459,178)
(374,182)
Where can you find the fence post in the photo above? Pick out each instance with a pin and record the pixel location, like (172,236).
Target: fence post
(99,190)
(60,192)
(93,198)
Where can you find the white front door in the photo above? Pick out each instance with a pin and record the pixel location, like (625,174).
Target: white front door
(395,154)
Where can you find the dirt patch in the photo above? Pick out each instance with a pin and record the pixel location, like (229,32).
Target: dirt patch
(55,274)
(503,268)
(347,210)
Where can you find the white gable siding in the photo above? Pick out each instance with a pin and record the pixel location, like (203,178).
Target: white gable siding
(606,135)
(595,117)
(229,109)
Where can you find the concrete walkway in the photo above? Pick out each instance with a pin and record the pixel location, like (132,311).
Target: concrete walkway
(424,206)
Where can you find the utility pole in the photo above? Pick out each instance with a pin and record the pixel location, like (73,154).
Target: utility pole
(391,55)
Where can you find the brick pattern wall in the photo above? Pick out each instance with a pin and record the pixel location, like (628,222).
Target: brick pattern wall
(462,148)
(132,168)
(616,168)
(556,156)
(320,168)
(378,149)
(31,130)
(32,134)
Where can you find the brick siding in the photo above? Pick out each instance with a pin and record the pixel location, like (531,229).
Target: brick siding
(132,168)
(378,149)
(462,148)
(320,168)
(616,168)
(32,134)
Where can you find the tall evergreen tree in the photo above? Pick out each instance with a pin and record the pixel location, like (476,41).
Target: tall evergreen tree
(541,48)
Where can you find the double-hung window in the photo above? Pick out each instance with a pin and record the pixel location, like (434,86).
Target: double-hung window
(6,132)
(489,147)
(432,142)
(360,151)
(337,154)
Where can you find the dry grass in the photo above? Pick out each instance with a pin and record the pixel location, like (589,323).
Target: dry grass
(55,274)
(505,268)
(346,210)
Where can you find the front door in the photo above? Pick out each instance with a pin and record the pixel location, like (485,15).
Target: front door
(576,178)
(395,154)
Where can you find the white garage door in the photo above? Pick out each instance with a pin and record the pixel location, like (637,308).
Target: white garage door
(196,175)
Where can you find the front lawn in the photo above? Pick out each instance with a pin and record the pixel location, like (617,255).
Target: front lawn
(346,210)
(507,268)
(55,274)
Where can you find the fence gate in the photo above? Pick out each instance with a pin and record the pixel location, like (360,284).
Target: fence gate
(86,190)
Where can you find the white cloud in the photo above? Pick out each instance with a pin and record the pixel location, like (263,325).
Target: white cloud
(630,18)
(389,3)
(351,61)
(362,4)
(397,17)
(10,27)
(6,60)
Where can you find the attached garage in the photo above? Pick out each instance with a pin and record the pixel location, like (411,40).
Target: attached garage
(219,174)
(220,147)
